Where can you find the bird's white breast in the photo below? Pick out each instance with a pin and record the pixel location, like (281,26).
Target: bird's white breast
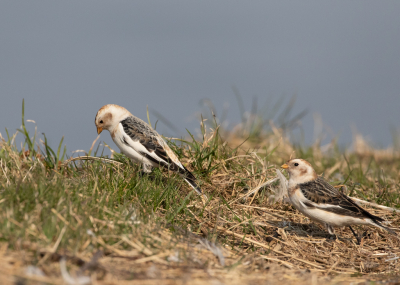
(131,150)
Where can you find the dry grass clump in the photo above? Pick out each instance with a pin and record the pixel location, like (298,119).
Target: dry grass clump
(94,220)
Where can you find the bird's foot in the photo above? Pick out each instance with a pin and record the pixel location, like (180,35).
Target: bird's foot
(149,175)
(332,237)
(356,236)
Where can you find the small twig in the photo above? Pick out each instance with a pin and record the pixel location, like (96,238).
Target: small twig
(243,222)
(54,248)
(4,171)
(255,189)
(156,257)
(62,219)
(287,264)
(34,164)
(375,205)
(238,156)
(86,157)
(137,245)
(91,148)
(255,194)
(118,252)
(332,267)
(59,239)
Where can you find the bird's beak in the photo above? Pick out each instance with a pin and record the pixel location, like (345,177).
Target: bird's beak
(285,166)
(99,130)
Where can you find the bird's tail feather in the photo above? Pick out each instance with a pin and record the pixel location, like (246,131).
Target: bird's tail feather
(379,225)
(191,180)
(194,185)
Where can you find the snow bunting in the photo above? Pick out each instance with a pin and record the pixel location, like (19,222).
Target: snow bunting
(317,199)
(140,142)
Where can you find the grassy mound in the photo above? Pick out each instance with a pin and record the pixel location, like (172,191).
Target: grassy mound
(94,219)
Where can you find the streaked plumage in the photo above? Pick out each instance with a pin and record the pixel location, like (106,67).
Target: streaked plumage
(317,199)
(137,140)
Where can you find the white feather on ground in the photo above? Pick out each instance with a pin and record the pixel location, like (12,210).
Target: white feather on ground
(81,280)
(212,247)
(281,192)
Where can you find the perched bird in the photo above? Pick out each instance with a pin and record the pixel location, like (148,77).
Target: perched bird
(317,199)
(140,142)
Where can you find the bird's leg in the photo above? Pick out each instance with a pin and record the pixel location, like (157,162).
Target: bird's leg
(357,237)
(146,170)
(331,231)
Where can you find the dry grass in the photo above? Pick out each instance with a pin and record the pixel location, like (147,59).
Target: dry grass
(113,227)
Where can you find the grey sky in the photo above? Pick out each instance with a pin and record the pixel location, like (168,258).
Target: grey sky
(68,58)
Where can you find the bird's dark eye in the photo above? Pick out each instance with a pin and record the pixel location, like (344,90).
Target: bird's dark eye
(296,164)
(101,121)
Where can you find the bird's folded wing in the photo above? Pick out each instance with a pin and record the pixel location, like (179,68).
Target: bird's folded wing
(326,197)
(320,192)
(145,141)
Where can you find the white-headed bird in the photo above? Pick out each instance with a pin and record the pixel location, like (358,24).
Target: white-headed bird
(137,140)
(317,199)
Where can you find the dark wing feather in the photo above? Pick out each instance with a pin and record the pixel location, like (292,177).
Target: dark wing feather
(189,177)
(320,191)
(138,130)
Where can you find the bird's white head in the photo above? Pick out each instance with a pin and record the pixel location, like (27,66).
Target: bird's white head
(108,117)
(300,171)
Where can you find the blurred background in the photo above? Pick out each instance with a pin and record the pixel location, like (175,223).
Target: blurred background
(339,61)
